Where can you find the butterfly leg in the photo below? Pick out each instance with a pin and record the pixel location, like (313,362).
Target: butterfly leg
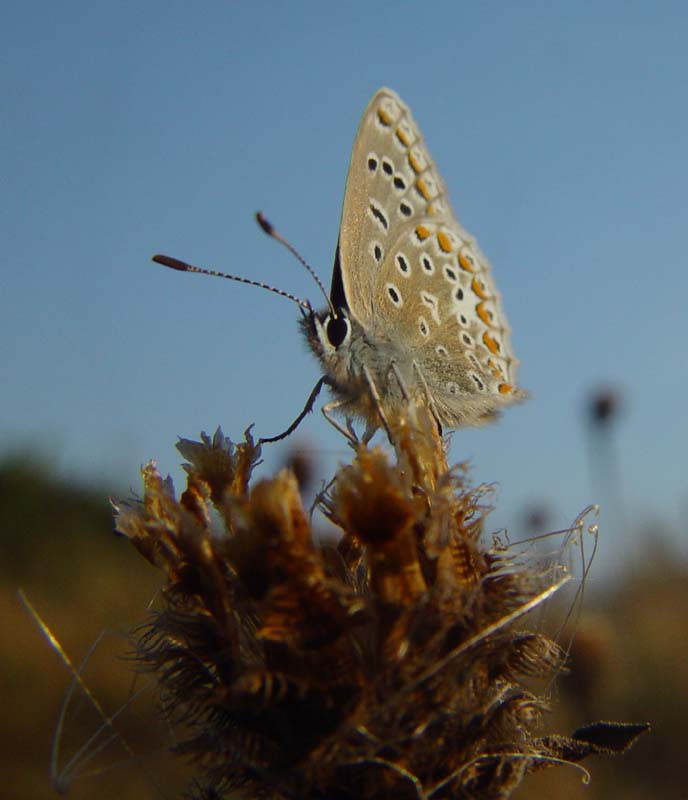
(372,427)
(350,428)
(307,410)
(348,432)
(428,395)
(394,370)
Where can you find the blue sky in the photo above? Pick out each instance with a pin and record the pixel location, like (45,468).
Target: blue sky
(133,128)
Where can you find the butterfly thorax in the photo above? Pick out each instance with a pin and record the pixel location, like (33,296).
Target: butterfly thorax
(346,352)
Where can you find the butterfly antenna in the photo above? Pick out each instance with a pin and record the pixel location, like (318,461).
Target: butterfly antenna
(269,229)
(182,266)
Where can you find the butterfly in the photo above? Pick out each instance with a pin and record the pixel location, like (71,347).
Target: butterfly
(413,313)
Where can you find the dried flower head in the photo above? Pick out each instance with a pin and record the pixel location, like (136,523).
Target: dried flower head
(392,665)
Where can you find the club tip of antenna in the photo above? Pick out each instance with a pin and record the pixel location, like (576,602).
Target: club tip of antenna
(264,224)
(172,263)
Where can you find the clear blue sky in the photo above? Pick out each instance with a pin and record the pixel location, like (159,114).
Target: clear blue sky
(134,128)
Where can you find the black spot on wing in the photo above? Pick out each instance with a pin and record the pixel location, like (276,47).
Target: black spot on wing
(379,215)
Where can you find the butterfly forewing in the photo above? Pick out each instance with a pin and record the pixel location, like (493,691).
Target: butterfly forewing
(410,272)
(378,198)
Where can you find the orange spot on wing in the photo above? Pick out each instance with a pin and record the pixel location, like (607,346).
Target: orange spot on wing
(484,313)
(402,136)
(466,263)
(497,371)
(414,163)
(423,190)
(422,232)
(505,388)
(492,344)
(479,288)
(444,242)
(384,117)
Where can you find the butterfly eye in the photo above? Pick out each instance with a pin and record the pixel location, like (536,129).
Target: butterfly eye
(337,330)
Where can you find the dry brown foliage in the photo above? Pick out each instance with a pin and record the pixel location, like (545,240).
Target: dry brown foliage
(392,665)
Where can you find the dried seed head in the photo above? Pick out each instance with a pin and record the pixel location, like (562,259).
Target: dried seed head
(389,666)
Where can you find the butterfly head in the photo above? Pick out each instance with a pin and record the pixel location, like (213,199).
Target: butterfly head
(329,335)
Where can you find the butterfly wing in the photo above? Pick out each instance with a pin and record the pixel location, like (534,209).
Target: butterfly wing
(372,186)
(410,272)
